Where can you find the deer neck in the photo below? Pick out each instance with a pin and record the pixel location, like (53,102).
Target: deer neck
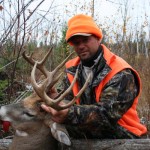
(39,139)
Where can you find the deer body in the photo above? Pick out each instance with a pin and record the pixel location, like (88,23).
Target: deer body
(35,130)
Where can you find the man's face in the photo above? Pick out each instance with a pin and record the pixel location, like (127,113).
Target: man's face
(85,46)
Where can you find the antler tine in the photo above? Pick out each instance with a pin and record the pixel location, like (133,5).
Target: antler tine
(61,107)
(28,58)
(51,80)
(62,64)
(45,57)
(53,102)
(46,84)
(62,96)
(38,88)
(40,65)
(50,83)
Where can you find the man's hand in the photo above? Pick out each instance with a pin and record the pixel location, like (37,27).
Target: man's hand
(56,116)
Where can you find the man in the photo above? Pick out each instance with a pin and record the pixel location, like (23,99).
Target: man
(107,108)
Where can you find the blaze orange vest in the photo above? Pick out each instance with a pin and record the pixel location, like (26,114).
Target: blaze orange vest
(130,119)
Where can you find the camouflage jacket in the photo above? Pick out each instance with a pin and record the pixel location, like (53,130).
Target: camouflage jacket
(99,120)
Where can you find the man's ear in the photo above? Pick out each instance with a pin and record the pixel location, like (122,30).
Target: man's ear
(60,133)
(100,40)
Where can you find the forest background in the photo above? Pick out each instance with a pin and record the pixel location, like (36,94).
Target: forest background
(37,25)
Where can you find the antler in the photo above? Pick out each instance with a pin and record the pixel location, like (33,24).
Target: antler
(50,80)
(40,65)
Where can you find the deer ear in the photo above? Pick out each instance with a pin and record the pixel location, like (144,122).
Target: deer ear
(60,133)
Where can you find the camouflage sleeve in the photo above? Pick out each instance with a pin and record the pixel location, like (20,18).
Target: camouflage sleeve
(117,97)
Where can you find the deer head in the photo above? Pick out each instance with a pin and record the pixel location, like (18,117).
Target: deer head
(34,129)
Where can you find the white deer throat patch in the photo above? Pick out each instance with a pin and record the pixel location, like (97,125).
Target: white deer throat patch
(21,133)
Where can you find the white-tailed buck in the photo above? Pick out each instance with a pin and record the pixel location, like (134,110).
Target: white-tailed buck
(34,129)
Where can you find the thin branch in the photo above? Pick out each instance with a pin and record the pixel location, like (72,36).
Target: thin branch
(1,1)
(5,35)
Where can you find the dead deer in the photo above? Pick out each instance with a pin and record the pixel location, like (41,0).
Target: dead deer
(34,129)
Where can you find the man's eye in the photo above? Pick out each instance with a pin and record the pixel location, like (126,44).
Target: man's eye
(75,43)
(85,40)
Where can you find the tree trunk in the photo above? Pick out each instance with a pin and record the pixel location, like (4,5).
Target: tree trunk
(119,144)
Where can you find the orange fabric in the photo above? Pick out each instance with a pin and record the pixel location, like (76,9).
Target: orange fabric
(117,64)
(82,24)
(130,119)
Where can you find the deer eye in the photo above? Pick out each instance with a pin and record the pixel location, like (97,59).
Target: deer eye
(28,114)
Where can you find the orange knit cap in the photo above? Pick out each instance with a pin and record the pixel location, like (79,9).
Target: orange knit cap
(82,25)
